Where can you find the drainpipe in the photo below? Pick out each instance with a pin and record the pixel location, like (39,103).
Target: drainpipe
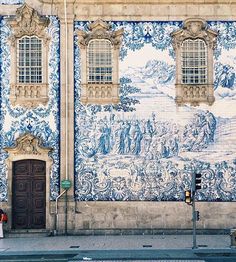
(66,129)
(66,85)
(66,90)
(56,213)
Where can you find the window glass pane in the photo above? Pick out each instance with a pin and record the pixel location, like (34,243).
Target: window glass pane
(99,59)
(194,61)
(29,60)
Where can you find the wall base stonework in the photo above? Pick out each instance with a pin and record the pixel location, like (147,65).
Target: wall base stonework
(128,218)
(88,218)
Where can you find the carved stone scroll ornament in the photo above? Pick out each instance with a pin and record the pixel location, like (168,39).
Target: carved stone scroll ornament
(28,145)
(194,28)
(100,30)
(28,22)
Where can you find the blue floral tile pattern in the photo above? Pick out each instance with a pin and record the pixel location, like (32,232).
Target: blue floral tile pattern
(43,121)
(11,2)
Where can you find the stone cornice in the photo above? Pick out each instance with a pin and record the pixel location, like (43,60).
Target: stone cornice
(174,2)
(132,10)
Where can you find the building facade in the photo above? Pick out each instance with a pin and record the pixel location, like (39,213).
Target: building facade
(108,109)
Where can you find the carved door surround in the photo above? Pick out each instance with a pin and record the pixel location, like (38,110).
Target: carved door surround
(28,22)
(28,147)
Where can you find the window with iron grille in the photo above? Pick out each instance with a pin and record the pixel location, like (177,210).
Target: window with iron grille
(99,52)
(29,60)
(99,61)
(194,62)
(194,44)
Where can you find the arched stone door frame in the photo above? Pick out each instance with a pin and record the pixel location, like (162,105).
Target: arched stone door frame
(28,147)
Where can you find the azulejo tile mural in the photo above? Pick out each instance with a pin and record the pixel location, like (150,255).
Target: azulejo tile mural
(11,2)
(146,148)
(42,121)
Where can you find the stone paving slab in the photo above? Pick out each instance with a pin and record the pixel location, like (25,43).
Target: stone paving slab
(113,242)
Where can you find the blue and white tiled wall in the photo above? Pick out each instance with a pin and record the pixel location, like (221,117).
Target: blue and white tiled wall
(11,2)
(43,121)
(146,148)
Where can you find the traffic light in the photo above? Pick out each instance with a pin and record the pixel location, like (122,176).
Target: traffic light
(198,181)
(197,215)
(188,198)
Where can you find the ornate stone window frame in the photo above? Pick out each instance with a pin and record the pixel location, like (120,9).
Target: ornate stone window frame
(93,93)
(28,147)
(28,22)
(194,94)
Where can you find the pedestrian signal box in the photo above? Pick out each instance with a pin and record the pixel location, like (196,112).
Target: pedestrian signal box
(198,181)
(197,215)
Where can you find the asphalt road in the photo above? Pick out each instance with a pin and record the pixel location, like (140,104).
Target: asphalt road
(207,255)
(151,255)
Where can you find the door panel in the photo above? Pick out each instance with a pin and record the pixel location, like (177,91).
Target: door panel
(29,194)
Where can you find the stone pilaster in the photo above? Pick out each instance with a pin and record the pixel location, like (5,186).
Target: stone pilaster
(67,107)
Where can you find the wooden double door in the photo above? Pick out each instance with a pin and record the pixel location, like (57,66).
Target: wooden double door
(29,194)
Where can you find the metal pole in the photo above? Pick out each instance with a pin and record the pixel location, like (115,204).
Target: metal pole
(194,211)
(194,222)
(56,213)
(66,215)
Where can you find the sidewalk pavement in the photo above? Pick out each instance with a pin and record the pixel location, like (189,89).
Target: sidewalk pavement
(124,242)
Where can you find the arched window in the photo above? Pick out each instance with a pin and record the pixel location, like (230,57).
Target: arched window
(194,62)
(29,60)
(194,45)
(99,57)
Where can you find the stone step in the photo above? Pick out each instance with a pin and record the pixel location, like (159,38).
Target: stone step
(15,233)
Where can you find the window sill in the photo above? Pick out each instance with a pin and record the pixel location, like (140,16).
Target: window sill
(100,94)
(194,94)
(29,95)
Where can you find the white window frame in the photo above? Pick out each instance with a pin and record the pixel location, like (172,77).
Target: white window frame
(29,60)
(99,61)
(194,62)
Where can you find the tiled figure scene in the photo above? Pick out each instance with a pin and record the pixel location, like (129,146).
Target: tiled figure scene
(146,147)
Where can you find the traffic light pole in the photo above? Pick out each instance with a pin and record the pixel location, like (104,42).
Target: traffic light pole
(194,221)
(190,200)
(194,211)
